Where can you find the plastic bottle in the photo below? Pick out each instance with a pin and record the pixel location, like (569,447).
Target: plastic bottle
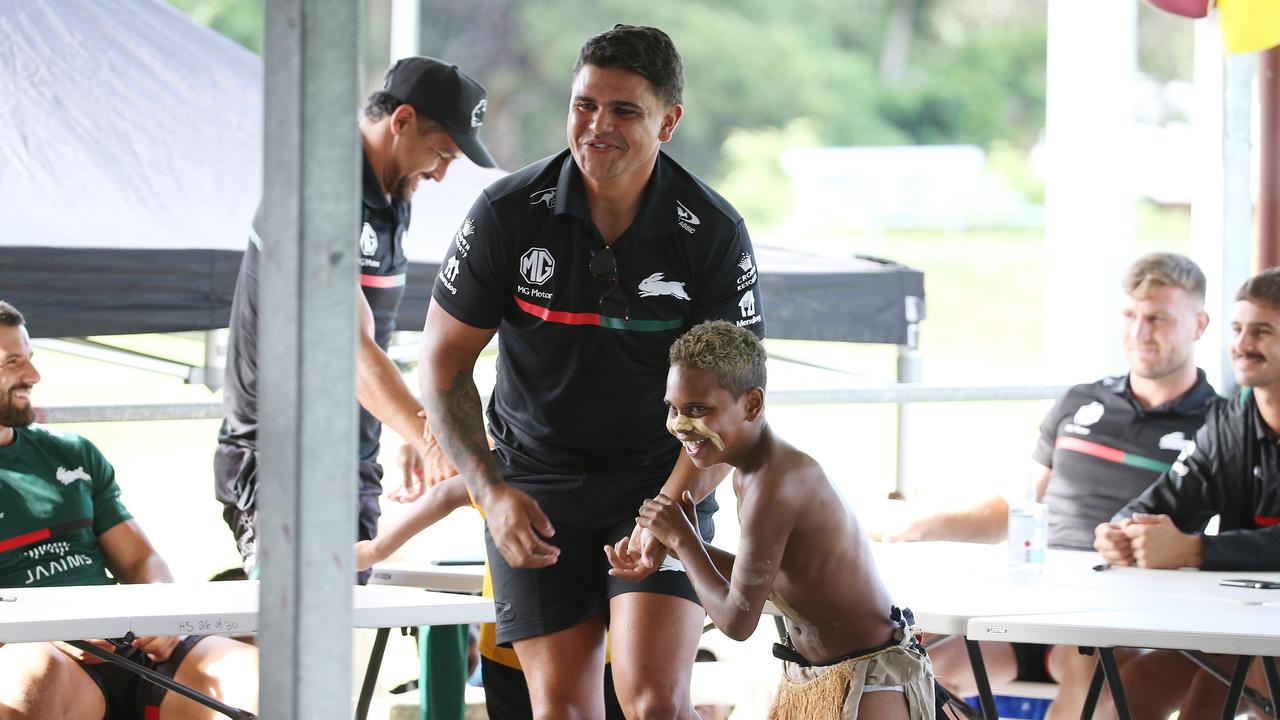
(1028,535)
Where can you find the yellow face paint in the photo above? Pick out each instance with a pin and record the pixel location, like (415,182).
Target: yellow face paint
(695,426)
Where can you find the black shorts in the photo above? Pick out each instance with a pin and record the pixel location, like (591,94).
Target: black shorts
(128,696)
(235,484)
(506,693)
(588,512)
(1032,660)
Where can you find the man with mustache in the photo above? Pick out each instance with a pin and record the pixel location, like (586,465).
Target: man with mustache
(427,115)
(551,258)
(1232,470)
(1100,445)
(62,523)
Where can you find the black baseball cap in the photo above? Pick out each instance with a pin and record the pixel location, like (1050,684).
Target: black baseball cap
(442,92)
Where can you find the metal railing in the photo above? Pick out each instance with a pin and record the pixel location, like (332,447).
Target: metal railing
(897,393)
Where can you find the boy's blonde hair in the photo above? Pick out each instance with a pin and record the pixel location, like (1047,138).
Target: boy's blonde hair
(734,355)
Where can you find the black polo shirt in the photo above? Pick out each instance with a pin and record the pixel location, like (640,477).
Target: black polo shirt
(382,274)
(1263,458)
(580,389)
(1104,449)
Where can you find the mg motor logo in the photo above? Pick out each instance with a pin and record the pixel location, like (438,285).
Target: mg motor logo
(537,266)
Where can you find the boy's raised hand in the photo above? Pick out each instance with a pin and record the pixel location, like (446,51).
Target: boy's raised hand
(670,521)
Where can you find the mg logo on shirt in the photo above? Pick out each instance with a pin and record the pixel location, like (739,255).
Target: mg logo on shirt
(1087,415)
(537,266)
(368,240)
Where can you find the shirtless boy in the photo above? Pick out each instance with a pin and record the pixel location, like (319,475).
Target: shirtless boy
(849,653)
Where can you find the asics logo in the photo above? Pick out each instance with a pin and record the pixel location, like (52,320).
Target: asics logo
(545,197)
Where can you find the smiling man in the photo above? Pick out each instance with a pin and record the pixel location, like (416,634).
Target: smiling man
(427,115)
(1232,469)
(1101,444)
(62,523)
(587,265)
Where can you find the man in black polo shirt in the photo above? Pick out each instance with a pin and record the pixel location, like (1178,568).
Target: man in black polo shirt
(1231,470)
(427,115)
(588,264)
(1100,445)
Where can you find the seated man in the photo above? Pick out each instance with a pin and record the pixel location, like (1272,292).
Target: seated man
(1100,445)
(1232,470)
(849,653)
(62,523)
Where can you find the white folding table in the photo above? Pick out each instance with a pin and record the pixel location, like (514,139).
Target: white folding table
(953,587)
(440,578)
(74,614)
(1186,624)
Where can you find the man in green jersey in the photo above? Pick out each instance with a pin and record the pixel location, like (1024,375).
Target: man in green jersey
(62,523)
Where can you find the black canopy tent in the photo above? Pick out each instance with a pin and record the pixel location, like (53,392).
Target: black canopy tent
(130,167)
(78,292)
(853,299)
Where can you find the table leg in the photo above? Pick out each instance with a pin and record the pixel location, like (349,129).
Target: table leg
(371,673)
(985,698)
(1273,684)
(1249,694)
(442,677)
(1237,686)
(934,641)
(164,682)
(1107,658)
(1095,692)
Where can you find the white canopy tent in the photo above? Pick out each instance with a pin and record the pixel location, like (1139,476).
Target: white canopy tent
(131,165)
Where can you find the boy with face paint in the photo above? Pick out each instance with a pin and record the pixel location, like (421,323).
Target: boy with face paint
(848,653)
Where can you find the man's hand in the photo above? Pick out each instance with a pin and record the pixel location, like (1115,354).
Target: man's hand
(437,467)
(1111,542)
(157,649)
(1158,543)
(517,526)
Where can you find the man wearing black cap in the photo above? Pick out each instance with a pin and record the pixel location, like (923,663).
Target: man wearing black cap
(427,115)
